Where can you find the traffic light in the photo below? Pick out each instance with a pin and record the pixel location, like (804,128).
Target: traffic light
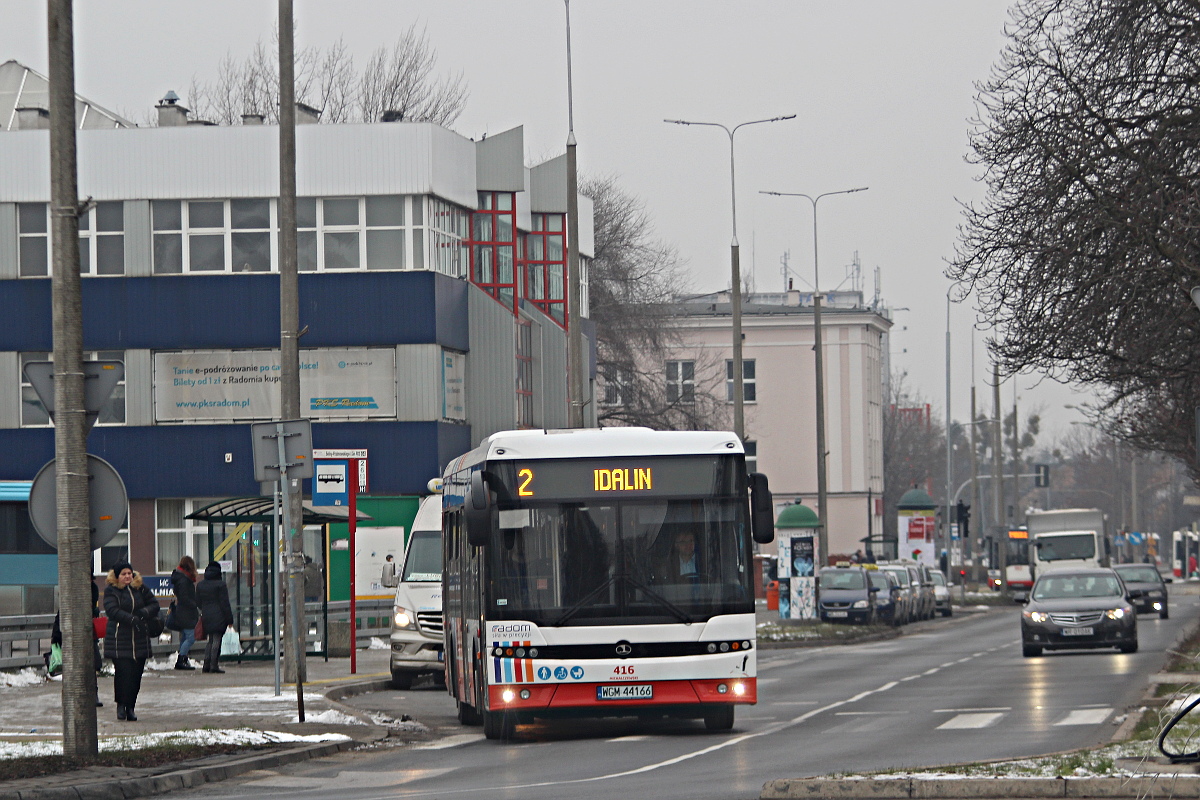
(1042,479)
(963,513)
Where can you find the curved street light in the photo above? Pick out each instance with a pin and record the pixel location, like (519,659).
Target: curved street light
(739,415)
(822,486)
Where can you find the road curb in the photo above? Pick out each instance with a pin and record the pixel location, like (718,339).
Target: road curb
(1175,786)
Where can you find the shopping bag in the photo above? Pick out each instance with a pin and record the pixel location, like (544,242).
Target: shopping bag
(200,630)
(54,665)
(154,624)
(99,627)
(231,643)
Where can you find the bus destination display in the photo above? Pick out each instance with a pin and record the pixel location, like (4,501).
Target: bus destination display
(691,476)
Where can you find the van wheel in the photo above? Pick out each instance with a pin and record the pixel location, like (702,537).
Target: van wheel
(401,679)
(467,715)
(499,725)
(719,719)
(1030,650)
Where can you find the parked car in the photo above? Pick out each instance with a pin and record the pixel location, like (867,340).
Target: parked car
(889,601)
(941,593)
(1077,607)
(908,593)
(845,594)
(1146,587)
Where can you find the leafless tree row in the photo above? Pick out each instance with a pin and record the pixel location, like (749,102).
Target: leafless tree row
(400,79)
(1082,253)
(633,281)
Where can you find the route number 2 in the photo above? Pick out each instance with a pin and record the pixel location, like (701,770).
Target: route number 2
(526,476)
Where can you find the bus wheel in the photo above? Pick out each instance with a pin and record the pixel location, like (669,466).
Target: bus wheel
(499,725)
(467,714)
(719,718)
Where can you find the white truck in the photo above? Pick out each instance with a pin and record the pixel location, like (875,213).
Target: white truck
(416,637)
(1067,537)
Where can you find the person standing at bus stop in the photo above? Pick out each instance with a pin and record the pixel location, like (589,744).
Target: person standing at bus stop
(187,612)
(213,596)
(129,605)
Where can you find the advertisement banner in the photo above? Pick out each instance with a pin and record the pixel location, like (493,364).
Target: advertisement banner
(917,530)
(454,400)
(226,385)
(797,578)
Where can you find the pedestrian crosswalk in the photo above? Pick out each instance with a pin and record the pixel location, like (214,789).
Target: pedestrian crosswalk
(967,719)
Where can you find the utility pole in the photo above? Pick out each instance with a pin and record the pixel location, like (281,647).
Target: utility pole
(1016,471)
(976,495)
(575,360)
(70,417)
(289,349)
(998,471)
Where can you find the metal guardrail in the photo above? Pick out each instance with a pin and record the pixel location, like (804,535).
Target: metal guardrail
(24,639)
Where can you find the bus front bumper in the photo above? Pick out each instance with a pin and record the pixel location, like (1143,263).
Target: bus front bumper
(594,698)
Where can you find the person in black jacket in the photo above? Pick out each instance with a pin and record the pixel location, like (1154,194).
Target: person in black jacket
(187,610)
(129,605)
(213,596)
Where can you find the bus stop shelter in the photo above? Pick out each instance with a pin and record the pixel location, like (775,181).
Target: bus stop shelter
(240,535)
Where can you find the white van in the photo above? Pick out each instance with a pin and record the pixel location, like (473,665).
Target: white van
(417,616)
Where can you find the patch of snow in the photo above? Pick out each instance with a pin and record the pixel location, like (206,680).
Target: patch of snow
(30,676)
(331,717)
(391,722)
(237,736)
(378,644)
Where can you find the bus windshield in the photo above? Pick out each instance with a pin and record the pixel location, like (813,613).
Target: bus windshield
(424,561)
(1069,546)
(609,561)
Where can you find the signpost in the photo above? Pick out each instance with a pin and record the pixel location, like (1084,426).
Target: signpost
(108,503)
(334,486)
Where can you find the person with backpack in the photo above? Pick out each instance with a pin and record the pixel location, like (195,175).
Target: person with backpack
(185,609)
(213,596)
(132,611)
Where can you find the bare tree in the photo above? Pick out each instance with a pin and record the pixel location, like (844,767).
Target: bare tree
(1082,253)
(914,448)
(399,79)
(633,282)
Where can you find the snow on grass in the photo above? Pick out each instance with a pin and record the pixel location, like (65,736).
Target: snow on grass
(1101,762)
(237,736)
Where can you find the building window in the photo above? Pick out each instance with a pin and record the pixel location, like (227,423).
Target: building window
(545,266)
(681,381)
(34,414)
(213,235)
(102,240)
(448,231)
(524,347)
(749,386)
(493,247)
(615,385)
(751,456)
(176,536)
(33,239)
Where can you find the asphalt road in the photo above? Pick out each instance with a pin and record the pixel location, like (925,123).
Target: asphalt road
(946,691)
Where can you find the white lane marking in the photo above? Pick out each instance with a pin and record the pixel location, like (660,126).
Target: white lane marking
(633,738)
(794,703)
(931,671)
(910,678)
(1085,716)
(969,721)
(970,710)
(450,741)
(866,713)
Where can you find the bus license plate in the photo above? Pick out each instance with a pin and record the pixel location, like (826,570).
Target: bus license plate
(634,691)
(1077,631)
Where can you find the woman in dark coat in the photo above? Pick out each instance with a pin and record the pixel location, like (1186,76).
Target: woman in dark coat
(187,609)
(213,596)
(129,605)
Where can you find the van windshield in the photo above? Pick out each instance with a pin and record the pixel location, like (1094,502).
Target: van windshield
(1067,547)
(424,560)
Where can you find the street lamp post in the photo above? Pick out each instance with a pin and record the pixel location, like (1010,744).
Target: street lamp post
(822,489)
(739,411)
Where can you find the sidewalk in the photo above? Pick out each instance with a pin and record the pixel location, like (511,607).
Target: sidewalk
(238,706)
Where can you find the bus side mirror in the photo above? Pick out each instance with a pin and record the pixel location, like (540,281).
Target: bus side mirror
(762,509)
(478,511)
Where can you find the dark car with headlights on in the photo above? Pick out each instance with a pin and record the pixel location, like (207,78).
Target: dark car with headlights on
(1078,608)
(1146,587)
(845,594)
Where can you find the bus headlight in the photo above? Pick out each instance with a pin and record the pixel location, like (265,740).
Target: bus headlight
(508,695)
(403,618)
(739,689)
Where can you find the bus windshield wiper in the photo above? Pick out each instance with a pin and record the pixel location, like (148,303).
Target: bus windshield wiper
(662,601)
(587,598)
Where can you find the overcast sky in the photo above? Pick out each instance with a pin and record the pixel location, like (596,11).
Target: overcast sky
(882,92)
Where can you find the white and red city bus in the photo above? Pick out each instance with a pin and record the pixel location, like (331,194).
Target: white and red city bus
(601,573)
